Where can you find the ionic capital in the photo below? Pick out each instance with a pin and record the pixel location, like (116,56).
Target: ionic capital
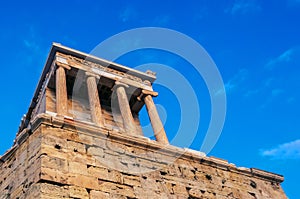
(120,84)
(152,93)
(88,74)
(65,66)
(145,93)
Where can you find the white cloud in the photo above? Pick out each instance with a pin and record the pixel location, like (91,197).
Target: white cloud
(30,40)
(283,58)
(31,44)
(290,150)
(233,83)
(264,85)
(244,7)
(34,52)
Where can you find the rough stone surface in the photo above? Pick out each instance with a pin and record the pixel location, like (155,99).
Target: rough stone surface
(63,163)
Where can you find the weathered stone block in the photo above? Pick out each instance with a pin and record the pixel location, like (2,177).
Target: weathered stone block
(132,180)
(54,175)
(78,192)
(95,151)
(76,147)
(77,168)
(98,195)
(54,163)
(89,182)
(115,188)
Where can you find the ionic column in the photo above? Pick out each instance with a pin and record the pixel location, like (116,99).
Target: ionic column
(94,99)
(156,123)
(61,91)
(128,120)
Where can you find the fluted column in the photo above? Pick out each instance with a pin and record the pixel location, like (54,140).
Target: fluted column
(128,120)
(156,123)
(94,99)
(61,91)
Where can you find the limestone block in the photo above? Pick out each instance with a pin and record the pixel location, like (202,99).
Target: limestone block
(115,176)
(150,194)
(95,151)
(99,172)
(82,158)
(98,195)
(116,189)
(151,184)
(33,171)
(76,147)
(117,196)
(100,141)
(51,150)
(21,156)
(55,142)
(54,163)
(16,193)
(77,168)
(78,192)
(60,133)
(173,170)
(85,139)
(54,175)
(110,161)
(114,146)
(53,190)
(132,180)
(180,190)
(32,192)
(196,192)
(89,182)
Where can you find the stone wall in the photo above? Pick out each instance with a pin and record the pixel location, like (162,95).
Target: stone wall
(63,159)
(20,169)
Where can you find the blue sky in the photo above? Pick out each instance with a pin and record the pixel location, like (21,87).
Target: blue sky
(255,44)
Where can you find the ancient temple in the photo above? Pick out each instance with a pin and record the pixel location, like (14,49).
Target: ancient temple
(82,138)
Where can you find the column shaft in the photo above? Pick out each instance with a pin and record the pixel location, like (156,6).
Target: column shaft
(61,92)
(156,123)
(128,120)
(94,100)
